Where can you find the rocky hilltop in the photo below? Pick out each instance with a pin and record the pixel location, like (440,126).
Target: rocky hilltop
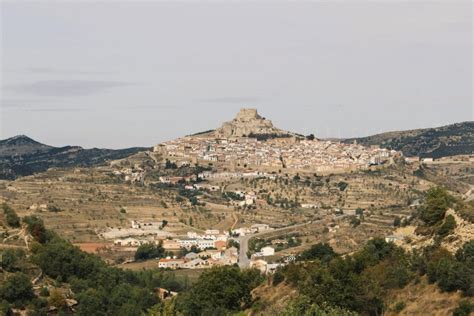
(249,123)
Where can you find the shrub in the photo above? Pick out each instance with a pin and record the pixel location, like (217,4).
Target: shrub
(397,222)
(323,252)
(57,299)
(220,291)
(11,217)
(54,209)
(44,291)
(36,228)
(304,307)
(11,259)
(342,185)
(399,306)
(465,308)
(450,274)
(437,201)
(277,278)
(448,226)
(170,165)
(17,289)
(355,221)
(149,251)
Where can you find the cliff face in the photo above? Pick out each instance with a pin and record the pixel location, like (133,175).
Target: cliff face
(248,122)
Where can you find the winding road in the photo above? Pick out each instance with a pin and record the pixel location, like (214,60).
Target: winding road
(244,261)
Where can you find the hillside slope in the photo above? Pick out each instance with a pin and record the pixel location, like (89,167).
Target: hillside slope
(22,156)
(449,140)
(21,145)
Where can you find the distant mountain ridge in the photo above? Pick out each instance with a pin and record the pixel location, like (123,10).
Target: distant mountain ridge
(20,145)
(23,156)
(437,142)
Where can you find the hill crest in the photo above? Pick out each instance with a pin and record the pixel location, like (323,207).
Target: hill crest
(436,142)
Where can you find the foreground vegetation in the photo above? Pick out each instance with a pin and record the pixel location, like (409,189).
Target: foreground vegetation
(361,282)
(98,288)
(55,275)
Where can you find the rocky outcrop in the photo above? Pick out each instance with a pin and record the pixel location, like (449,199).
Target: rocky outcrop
(246,123)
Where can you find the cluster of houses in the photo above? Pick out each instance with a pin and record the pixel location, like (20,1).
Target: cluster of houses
(255,228)
(277,153)
(212,238)
(211,246)
(138,234)
(208,175)
(151,232)
(136,175)
(204,259)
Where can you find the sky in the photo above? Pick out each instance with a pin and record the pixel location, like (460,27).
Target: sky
(116,74)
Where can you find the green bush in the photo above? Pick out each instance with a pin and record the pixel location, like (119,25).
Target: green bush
(11,217)
(44,291)
(303,306)
(220,291)
(149,251)
(465,308)
(448,226)
(17,289)
(99,289)
(399,306)
(11,259)
(342,185)
(397,222)
(319,251)
(449,272)
(35,227)
(5,308)
(437,201)
(277,278)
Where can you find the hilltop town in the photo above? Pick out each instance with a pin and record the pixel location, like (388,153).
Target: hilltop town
(250,141)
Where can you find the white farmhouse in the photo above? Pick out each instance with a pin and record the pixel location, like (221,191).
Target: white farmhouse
(268,251)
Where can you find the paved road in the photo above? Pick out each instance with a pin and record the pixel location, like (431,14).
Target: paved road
(244,261)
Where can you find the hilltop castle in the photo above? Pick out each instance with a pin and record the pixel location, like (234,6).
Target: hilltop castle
(248,122)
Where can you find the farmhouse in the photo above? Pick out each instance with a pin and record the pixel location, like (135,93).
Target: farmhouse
(171,263)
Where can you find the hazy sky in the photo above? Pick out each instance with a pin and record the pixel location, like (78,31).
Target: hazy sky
(119,74)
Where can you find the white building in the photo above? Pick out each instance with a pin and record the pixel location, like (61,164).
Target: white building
(187,243)
(258,228)
(171,263)
(195,263)
(205,243)
(268,251)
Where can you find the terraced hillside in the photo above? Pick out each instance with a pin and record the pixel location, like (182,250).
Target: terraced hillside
(449,140)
